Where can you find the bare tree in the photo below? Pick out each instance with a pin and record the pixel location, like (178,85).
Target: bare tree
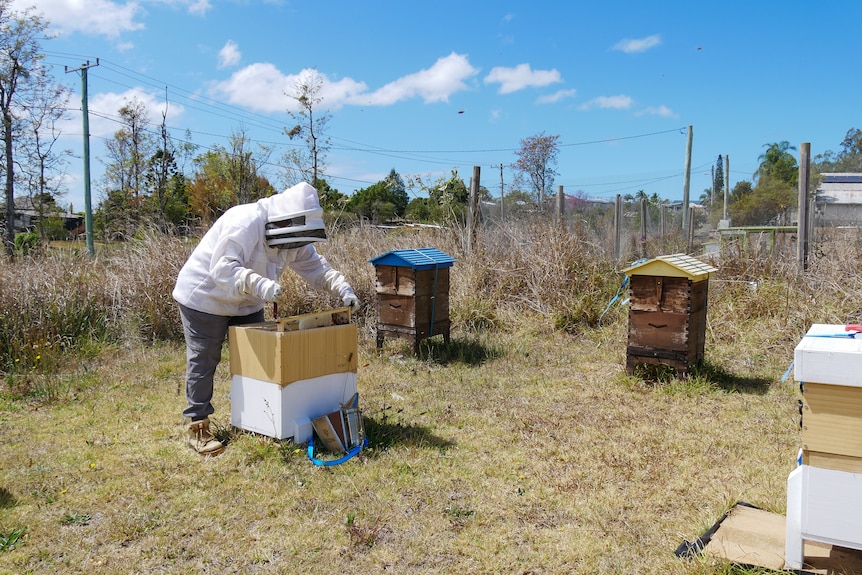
(128,152)
(43,169)
(537,158)
(20,68)
(307,164)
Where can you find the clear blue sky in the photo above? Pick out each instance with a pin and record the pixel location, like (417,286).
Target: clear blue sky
(427,87)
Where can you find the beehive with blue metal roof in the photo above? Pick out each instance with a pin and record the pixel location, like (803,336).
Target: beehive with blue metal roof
(412,294)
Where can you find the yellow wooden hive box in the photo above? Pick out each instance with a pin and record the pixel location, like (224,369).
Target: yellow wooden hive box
(295,348)
(828,365)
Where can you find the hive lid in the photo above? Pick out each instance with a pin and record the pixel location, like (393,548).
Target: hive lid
(675,265)
(418,259)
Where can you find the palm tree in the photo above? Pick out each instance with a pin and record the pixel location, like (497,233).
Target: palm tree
(778,162)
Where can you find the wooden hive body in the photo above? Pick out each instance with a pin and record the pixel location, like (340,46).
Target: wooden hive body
(667,313)
(412,289)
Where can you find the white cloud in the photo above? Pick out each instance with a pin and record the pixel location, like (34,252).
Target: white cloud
(263,88)
(662,111)
(635,45)
(199,7)
(520,77)
(100,17)
(620,102)
(104,111)
(556,96)
(229,56)
(109,18)
(435,84)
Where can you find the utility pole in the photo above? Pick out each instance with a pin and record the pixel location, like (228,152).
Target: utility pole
(502,192)
(687,183)
(473,210)
(726,182)
(561,205)
(88,210)
(803,228)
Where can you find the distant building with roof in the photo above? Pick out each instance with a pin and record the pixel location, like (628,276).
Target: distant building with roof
(28,215)
(838,200)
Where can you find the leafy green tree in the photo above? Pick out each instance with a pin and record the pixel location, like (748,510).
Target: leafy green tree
(381,201)
(517,203)
(128,157)
(420,210)
(740,191)
(849,159)
(331,200)
(449,196)
(718,180)
(224,179)
(778,163)
(766,204)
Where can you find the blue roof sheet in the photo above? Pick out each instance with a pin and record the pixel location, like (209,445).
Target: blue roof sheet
(842,178)
(418,259)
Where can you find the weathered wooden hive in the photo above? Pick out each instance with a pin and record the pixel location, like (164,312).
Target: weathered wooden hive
(667,312)
(412,295)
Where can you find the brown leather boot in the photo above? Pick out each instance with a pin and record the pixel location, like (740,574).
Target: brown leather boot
(202,440)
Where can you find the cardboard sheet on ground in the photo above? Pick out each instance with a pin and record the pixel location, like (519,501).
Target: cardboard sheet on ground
(749,536)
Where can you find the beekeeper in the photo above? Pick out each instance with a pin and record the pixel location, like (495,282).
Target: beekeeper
(231,273)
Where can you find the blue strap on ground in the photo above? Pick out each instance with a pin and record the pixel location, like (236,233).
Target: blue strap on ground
(786,373)
(324,463)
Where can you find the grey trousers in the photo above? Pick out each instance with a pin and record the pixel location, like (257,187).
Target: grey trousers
(205,334)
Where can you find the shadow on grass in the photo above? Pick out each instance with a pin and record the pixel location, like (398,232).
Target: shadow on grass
(7,500)
(702,378)
(458,350)
(385,431)
(731,381)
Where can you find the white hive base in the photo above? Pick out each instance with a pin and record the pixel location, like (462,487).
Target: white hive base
(286,412)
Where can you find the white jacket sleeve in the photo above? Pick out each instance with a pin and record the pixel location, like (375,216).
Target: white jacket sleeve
(314,269)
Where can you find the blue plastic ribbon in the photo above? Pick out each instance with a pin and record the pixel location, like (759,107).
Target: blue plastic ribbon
(615,298)
(786,373)
(324,463)
(851,335)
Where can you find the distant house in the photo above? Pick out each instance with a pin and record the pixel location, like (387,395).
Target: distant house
(838,200)
(27,216)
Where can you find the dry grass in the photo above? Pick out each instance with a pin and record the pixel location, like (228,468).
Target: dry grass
(523,447)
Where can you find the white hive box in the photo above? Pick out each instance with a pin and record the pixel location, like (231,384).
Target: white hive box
(822,505)
(287,412)
(823,502)
(827,355)
(288,372)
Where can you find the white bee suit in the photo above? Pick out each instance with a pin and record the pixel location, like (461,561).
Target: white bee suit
(233,271)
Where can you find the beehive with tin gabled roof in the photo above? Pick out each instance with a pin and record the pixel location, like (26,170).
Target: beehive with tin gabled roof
(667,312)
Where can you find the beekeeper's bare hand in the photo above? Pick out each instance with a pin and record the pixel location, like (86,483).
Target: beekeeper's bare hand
(268,290)
(350,300)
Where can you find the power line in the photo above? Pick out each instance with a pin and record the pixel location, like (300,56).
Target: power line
(208,105)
